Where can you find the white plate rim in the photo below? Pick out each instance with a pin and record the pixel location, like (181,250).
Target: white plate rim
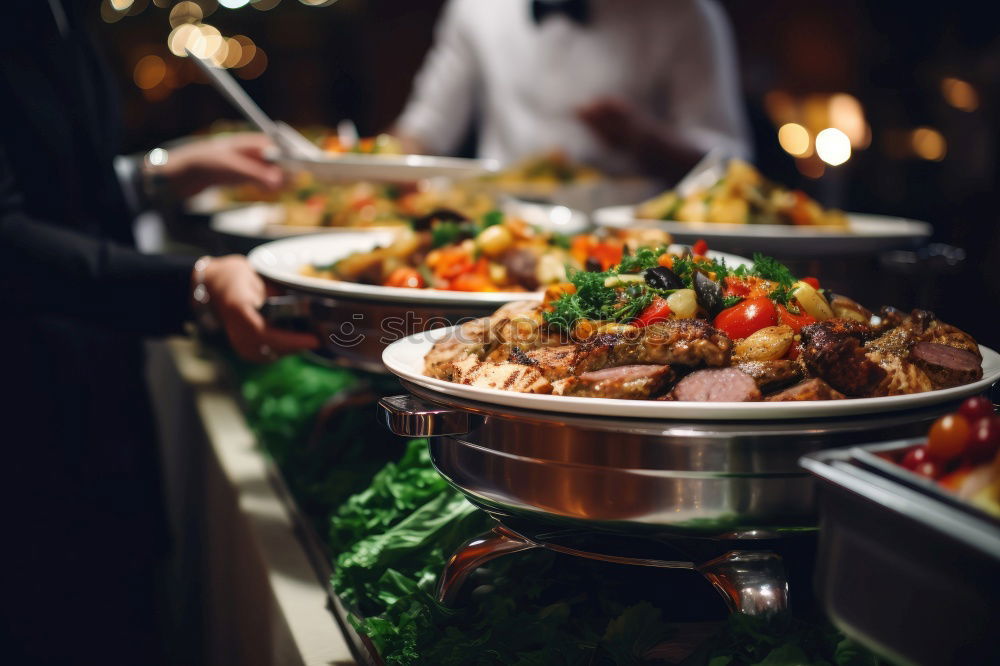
(865,225)
(395,356)
(264,259)
(391,167)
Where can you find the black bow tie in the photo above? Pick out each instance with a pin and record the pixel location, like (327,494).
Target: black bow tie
(577,10)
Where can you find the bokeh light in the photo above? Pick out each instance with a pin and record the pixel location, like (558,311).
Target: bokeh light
(794,139)
(121,5)
(929,144)
(833,146)
(255,67)
(234,4)
(960,94)
(185,12)
(847,115)
(247,49)
(181,37)
(149,72)
(109,14)
(264,5)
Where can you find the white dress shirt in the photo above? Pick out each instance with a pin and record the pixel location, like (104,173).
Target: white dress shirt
(523,81)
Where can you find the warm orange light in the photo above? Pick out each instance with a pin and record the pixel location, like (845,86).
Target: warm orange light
(149,72)
(960,94)
(255,67)
(794,139)
(247,51)
(847,115)
(929,144)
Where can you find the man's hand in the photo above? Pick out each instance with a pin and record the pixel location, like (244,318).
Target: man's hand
(224,160)
(621,125)
(236,294)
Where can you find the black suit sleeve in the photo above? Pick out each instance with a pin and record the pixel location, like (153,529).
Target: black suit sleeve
(46,269)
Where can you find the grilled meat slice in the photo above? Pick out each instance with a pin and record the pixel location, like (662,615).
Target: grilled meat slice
(469,338)
(810,389)
(567,360)
(503,376)
(627,382)
(896,341)
(832,351)
(901,376)
(772,375)
(690,342)
(716,385)
(950,336)
(945,365)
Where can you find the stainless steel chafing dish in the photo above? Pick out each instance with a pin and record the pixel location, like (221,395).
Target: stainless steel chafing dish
(722,494)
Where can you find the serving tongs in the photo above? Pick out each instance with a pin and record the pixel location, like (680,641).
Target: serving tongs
(289,141)
(704,174)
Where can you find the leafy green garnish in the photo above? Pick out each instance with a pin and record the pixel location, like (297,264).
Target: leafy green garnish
(561,240)
(445,232)
(730,301)
(643,258)
(491,218)
(767,268)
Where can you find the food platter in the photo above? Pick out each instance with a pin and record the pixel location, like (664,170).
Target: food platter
(387,168)
(265,221)
(865,233)
(405,358)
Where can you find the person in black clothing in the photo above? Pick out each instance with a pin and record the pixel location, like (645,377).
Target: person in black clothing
(83,525)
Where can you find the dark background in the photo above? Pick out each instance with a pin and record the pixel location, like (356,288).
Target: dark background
(356,59)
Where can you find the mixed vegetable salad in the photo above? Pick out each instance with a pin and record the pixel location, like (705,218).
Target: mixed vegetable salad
(961,454)
(741,196)
(762,299)
(494,252)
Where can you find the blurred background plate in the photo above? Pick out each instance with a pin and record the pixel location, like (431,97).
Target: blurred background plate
(388,168)
(866,234)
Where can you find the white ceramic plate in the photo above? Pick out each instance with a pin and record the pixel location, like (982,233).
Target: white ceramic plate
(282,262)
(264,221)
(866,233)
(388,168)
(405,358)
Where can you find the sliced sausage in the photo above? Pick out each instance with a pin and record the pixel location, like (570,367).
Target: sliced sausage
(717,385)
(811,389)
(946,366)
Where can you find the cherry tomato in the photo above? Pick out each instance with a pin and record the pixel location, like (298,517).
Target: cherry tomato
(812,282)
(928,468)
(795,321)
(743,319)
(656,311)
(700,248)
(914,457)
(608,252)
(405,277)
(794,351)
(984,439)
(472,282)
(948,437)
(976,407)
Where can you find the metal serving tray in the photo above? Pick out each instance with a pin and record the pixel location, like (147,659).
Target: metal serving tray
(913,576)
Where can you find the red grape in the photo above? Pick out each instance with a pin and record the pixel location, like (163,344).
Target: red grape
(914,457)
(976,407)
(948,437)
(928,468)
(984,440)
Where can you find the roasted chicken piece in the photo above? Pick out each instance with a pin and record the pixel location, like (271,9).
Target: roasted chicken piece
(503,376)
(901,376)
(832,350)
(627,382)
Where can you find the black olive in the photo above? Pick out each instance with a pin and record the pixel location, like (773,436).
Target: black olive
(661,277)
(593,265)
(709,293)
